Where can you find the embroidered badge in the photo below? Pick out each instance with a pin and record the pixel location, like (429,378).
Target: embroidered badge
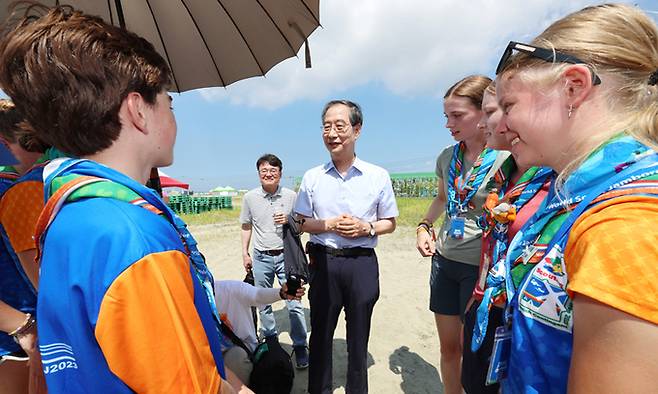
(543,296)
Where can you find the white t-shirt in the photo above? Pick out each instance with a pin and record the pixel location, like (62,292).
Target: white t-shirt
(235,299)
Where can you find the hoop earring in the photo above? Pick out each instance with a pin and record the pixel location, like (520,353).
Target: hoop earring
(570,111)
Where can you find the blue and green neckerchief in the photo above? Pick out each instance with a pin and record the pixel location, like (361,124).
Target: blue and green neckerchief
(498,213)
(462,187)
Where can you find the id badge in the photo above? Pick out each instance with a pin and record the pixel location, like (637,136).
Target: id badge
(457,227)
(499,356)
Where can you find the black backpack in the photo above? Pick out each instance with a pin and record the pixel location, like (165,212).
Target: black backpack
(273,372)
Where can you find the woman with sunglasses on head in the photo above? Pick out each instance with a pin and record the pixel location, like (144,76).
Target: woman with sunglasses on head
(463,171)
(581,278)
(515,194)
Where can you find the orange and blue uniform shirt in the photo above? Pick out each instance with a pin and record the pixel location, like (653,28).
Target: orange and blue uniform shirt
(15,287)
(20,208)
(120,306)
(21,204)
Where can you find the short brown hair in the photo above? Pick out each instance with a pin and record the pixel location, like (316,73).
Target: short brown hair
(471,87)
(68,74)
(14,129)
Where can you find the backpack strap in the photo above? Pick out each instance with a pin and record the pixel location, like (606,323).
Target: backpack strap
(226,330)
(53,206)
(65,192)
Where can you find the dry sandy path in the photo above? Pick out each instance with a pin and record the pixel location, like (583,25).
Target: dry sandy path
(403,349)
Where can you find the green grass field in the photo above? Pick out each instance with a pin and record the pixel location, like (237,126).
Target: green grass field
(411,212)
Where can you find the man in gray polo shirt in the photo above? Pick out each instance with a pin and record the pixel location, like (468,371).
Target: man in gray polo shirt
(264,211)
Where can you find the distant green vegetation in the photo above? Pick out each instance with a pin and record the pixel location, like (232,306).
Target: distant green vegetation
(217,216)
(411,212)
(417,185)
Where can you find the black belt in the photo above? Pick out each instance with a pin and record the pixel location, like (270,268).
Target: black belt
(271,252)
(343,252)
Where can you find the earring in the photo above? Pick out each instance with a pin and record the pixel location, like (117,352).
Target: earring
(570,111)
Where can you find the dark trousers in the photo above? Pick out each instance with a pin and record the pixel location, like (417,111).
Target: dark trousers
(476,365)
(337,282)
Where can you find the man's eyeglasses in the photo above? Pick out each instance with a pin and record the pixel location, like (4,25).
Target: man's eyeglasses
(339,127)
(272,171)
(544,54)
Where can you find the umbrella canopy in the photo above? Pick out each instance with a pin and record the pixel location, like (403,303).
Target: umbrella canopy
(167,181)
(210,42)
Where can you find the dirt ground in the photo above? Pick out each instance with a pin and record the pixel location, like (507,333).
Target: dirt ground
(403,352)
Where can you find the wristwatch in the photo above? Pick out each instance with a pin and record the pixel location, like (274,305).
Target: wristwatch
(372,230)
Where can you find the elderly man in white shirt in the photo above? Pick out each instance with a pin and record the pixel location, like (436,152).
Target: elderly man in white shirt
(346,204)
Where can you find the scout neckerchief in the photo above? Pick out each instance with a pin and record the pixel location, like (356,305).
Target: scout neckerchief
(499,212)
(34,173)
(123,188)
(540,229)
(50,154)
(462,189)
(527,253)
(541,316)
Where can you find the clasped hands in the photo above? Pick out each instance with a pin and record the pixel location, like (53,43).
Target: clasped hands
(348,226)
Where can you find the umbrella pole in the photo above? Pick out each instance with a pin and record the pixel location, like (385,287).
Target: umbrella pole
(122,20)
(154,179)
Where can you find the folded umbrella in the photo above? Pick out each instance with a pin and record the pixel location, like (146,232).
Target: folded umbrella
(295,261)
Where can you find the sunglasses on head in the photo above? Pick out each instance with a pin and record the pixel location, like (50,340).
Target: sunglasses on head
(547,55)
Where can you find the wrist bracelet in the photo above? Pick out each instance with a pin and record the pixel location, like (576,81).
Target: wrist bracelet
(423,228)
(29,322)
(425,223)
